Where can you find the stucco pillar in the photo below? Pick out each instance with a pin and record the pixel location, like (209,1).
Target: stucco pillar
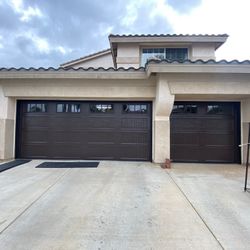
(162,110)
(245,120)
(7,126)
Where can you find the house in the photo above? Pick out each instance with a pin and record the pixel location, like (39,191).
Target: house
(147,97)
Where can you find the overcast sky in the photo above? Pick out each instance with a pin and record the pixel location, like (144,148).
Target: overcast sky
(49,32)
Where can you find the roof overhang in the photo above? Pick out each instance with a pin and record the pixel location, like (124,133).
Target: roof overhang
(153,67)
(199,66)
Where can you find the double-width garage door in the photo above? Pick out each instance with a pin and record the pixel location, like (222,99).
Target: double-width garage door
(205,132)
(84,130)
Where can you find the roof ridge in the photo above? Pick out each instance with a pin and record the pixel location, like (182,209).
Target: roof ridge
(167,35)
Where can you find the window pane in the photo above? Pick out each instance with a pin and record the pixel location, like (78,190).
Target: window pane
(75,108)
(134,108)
(219,109)
(151,53)
(36,107)
(101,108)
(59,108)
(178,109)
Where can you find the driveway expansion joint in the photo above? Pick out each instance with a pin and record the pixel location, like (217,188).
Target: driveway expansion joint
(199,215)
(32,203)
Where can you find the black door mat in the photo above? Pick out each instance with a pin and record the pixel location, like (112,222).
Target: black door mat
(50,164)
(12,164)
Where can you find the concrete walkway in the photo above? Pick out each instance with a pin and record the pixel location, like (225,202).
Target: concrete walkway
(124,205)
(216,193)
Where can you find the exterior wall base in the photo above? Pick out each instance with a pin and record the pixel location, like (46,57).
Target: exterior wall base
(6,139)
(162,140)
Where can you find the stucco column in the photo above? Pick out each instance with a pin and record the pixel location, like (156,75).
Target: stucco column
(245,120)
(162,110)
(7,124)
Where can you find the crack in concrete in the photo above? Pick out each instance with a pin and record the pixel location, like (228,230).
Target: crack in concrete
(33,202)
(199,215)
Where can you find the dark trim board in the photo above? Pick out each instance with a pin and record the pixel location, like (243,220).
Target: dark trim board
(84,135)
(12,164)
(206,132)
(52,164)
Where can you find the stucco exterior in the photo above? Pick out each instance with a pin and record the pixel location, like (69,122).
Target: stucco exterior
(162,83)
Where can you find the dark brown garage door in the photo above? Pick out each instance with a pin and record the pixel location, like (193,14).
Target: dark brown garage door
(205,132)
(84,130)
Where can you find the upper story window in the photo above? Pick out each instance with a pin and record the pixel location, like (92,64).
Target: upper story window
(179,54)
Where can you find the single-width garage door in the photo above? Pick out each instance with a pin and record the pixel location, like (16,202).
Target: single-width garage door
(84,130)
(205,132)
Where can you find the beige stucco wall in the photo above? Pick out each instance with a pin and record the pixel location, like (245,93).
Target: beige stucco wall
(7,124)
(105,61)
(162,109)
(161,89)
(202,51)
(245,121)
(128,55)
(80,89)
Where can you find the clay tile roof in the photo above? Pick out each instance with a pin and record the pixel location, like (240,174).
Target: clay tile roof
(199,61)
(62,69)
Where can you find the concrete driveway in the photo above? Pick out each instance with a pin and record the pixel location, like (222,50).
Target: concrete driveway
(124,205)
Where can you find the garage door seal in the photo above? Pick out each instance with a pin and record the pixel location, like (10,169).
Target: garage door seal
(49,164)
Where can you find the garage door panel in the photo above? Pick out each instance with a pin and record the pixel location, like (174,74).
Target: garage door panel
(208,135)
(185,153)
(217,139)
(185,123)
(134,123)
(85,130)
(66,123)
(133,152)
(66,136)
(39,150)
(101,122)
(36,136)
(215,124)
(101,151)
(67,150)
(35,121)
(101,136)
(186,138)
(218,154)
(134,137)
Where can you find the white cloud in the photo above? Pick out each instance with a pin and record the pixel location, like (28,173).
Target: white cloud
(214,17)
(43,45)
(63,50)
(25,13)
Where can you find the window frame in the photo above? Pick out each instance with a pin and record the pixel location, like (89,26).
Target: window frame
(142,63)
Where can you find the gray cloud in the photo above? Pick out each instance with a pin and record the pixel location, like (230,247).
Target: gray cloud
(80,27)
